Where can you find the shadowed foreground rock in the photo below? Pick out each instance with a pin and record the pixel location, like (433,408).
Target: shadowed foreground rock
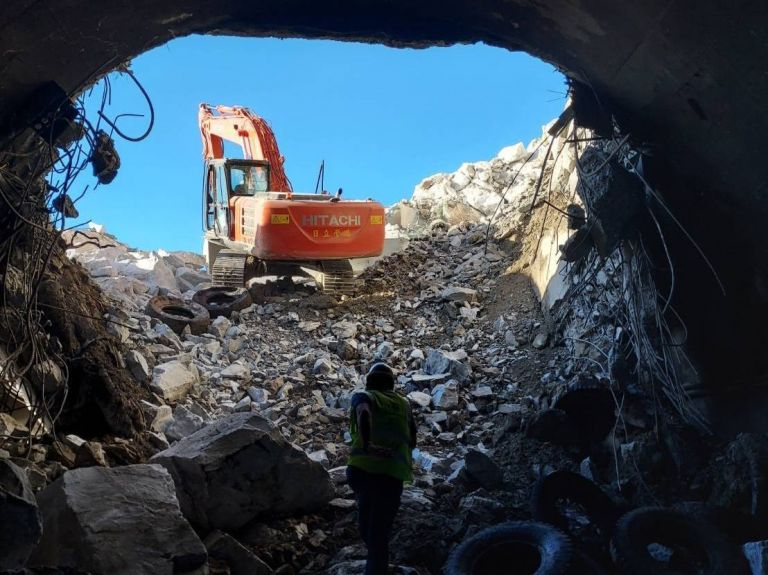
(122,520)
(20,525)
(240,468)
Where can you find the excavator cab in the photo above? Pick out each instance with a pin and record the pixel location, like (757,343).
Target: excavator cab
(247,178)
(226,179)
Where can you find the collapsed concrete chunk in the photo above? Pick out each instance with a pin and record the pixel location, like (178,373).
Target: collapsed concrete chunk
(451,362)
(173,380)
(20,522)
(121,520)
(239,468)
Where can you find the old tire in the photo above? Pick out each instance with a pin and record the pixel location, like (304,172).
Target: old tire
(590,406)
(223,300)
(178,314)
(638,529)
(577,489)
(532,548)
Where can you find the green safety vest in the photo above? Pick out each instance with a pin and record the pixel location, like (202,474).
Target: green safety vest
(389,452)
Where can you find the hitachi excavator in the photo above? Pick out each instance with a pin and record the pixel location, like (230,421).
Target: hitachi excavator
(255,225)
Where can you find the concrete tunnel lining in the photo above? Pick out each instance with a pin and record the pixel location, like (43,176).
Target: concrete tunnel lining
(687,82)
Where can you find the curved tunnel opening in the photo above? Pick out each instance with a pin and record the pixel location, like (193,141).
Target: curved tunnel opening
(646,65)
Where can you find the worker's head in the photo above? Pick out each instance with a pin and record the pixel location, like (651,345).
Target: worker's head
(380,377)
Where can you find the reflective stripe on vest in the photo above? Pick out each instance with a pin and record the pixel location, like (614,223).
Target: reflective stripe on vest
(389,451)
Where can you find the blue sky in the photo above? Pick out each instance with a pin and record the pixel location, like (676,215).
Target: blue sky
(381,118)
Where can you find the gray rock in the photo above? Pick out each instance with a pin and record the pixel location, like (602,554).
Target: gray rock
(437,417)
(238,558)
(236,371)
(47,374)
(384,350)
(323,366)
(482,391)
(483,470)
(540,341)
(184,423)
(756,553)
(137,365)
(347,349)
(344,329)
(451,362)
(121,520)
(320,457)
(510,339)
(258,395)
(240,468)
(244,404)
(446,395)
(459,294)
(163,417)
(479,509)
(420,398)
(219,326)
(20,520)
(173,380)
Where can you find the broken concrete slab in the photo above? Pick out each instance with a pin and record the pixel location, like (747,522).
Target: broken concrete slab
(121,520)
(240,468)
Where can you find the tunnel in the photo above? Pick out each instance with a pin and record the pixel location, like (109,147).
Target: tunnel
(685,84)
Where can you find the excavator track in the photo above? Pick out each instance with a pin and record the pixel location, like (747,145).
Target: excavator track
(229,269)
(338,277)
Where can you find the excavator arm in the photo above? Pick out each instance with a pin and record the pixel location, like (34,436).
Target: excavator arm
(252,133)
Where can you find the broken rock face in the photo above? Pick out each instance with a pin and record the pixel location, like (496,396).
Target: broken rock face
(240,468)
(122,520)
(20,524)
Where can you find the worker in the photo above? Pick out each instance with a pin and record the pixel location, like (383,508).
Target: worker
(383,435)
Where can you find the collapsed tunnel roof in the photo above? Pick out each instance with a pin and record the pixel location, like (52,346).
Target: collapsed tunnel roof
(687,81)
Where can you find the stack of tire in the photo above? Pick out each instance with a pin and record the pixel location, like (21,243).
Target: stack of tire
(693,537)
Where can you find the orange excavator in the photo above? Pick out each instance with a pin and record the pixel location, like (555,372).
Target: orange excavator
(255,225)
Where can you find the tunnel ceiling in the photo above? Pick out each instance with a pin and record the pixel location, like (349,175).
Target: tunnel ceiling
(688,81)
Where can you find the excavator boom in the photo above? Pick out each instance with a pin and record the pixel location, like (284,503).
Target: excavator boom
(251,132)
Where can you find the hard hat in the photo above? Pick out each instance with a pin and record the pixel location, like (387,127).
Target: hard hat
(378,371)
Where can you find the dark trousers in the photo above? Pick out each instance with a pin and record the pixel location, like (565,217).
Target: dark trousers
(378,499)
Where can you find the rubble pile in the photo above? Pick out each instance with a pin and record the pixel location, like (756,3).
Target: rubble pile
(248,421)
(131,276)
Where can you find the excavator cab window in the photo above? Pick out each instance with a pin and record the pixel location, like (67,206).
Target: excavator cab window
(247,180)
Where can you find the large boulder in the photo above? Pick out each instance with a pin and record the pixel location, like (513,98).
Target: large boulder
(240,468)
(20,524)
(121,520)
